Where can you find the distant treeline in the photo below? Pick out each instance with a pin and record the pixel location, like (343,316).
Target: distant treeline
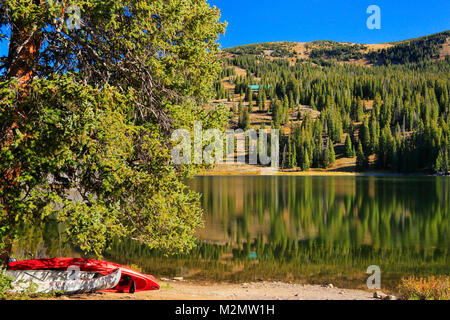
(336,50)
(410,51)
(278,49)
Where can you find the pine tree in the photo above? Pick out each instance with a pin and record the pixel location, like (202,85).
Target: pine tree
(361,159)
(312,101)
(248,94)
(258,99)
(330,156)
(285,112)
(291,100)
(240,114)
(348,147)
(441,165)
(374,132)
(360,111)
(246,120)
(318,154)
(294,155)
(364,137)
(276,114)
(306,163)
(263,100)
(385,148)
(357,110)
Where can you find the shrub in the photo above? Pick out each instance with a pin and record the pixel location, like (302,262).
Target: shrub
(6,292)
(5,285)
(432,288)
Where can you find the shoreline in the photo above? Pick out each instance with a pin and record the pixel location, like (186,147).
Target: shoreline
(261,172)
(188,290)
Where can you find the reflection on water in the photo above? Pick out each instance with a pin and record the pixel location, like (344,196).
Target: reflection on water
(379,212)
(315,229)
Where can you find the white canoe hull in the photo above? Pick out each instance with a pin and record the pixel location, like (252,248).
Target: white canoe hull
(56,281)
(47,275)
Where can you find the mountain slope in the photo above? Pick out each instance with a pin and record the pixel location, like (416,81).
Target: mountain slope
(432,47)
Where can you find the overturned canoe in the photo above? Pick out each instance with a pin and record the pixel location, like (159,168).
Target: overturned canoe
(131,280)
(24,282)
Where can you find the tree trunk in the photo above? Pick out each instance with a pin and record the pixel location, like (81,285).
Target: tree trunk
(23,54)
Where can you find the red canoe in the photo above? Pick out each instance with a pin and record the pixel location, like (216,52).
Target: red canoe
(131,280)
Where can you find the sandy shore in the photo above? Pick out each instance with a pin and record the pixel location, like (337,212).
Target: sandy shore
(246,291)
(251,170)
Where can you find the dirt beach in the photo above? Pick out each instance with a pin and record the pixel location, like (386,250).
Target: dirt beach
(182,290)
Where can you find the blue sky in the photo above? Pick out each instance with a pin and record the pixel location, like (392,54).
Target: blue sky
(251,21)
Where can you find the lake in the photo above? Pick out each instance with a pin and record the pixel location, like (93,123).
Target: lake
(315,229)
(311,229)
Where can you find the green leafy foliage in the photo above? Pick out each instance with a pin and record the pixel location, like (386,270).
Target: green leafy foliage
(5,285)
(88,138)
(81,143)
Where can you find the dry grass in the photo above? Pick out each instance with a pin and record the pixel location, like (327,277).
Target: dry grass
(445,51)
(432,288)
(343,167)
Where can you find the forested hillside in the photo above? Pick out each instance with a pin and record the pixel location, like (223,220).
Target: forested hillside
(412,51)
(409,51)
(392,115)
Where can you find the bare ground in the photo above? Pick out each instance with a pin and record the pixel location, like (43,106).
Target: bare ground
(224,291)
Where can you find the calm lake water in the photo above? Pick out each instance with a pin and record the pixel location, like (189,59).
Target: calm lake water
(311,229)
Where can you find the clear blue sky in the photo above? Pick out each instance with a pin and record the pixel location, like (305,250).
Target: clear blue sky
(251,21)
